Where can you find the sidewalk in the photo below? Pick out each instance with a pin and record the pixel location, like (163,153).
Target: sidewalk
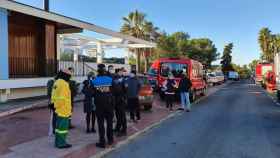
(19,105)
(32,140)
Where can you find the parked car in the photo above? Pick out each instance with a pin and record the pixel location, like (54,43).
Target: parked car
(220,77)
(215,78)
(146,95)
(233,75)
(162,67)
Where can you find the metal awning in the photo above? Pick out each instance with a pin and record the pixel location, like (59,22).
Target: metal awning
(78,40)
(36,12)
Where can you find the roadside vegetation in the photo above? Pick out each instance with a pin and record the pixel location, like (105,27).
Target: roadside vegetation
(176,45)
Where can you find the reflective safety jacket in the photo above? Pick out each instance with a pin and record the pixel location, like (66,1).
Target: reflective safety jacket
(61,98)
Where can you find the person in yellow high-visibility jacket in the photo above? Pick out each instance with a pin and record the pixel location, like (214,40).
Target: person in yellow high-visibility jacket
(61,98)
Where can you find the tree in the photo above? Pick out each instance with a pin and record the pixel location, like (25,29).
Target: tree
(135,24)
(274,45)
(171,45)
(264,40)
(243,71)
(202,50)
(226,58)
(179,44)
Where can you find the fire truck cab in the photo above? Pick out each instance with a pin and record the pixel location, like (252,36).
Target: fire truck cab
(162,67)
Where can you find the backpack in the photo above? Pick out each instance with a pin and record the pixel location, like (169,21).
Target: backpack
(50,84)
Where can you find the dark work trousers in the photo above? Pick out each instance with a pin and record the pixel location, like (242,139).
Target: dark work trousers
(169,100)
(134,107)
(103,115)
(90,116)
(120,114)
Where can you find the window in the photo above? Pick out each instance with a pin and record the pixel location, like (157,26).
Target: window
(197,70)
(176,69)
(152,71)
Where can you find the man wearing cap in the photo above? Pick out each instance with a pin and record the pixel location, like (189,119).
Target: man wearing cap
(119,92)
(133,86)
(61,98)
(103,99)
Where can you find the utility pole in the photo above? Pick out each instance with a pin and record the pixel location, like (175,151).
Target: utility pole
(47,5)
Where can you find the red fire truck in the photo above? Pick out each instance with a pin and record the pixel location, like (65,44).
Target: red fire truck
(162,67)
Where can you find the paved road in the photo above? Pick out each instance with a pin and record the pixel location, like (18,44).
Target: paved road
(238,121)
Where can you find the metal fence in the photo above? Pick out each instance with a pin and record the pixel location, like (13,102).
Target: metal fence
(32,67)
(26,67)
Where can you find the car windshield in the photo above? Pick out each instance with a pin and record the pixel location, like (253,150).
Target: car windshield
(176,69)
(152,71)
(219,74)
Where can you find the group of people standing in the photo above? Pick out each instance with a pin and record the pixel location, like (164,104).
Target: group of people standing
(170,86)
(106,94)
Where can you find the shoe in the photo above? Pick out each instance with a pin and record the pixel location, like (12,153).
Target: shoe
(100,145)
(93,130)
(110,143)
(65,146)
(88,131)
(188,110)
(181,109)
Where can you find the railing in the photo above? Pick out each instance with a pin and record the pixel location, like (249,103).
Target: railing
(80,68)
(83,68)
(26,67)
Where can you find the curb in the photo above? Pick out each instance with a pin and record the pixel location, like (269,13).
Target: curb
(37,105)
(271,97)
(135,135)
(20,109)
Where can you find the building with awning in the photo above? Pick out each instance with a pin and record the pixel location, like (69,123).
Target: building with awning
(29,45)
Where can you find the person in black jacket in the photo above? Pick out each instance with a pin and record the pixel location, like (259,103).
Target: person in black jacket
(103,99)
(133,87)
(184,88)
(119,92)
(89,106)
(170,86)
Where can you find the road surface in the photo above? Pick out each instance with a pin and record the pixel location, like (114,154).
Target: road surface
(238,121)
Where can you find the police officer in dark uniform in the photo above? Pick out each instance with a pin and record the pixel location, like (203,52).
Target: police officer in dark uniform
(103,99)
(119,92)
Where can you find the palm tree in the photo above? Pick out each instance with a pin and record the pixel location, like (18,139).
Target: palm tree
(135,24)
(264,42)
